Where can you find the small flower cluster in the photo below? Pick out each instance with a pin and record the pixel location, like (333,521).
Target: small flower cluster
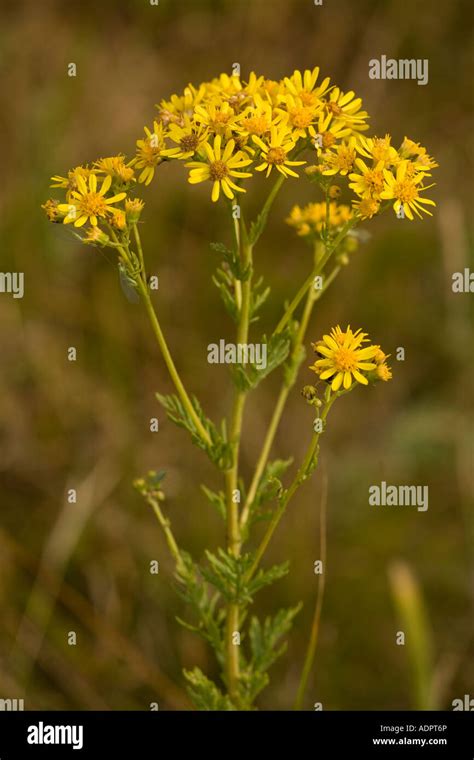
(378,172)
(311,219)
(344,360)
(94,195)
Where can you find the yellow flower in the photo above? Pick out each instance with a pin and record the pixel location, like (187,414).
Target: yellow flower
(384,372)
(343,358)
(299,117)
(329,131)
(51,210)
(379,149)
(69,183)
(340,160)
(256,119)
(218,116)
(188,136)
(275,151)
(311,219)
(418,154)
(88,204)
(219,168)
(133,209)
(370,182)
(149,152)
(172,111)
(95,235)
(366,207)
(304,87)
(116,167)
(346,106)
(405,191)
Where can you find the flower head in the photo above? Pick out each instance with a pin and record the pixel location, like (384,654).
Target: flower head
(89,204)
(219,168)
(344,358)
(275,150)
(404,189)
(149,152)
(116,167)
(311,219)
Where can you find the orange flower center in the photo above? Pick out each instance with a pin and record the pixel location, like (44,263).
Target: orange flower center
(92,204)
(276,156)
(301,117)
(256,125)
(218,170)
(345,360)
(189,142)
(405,191)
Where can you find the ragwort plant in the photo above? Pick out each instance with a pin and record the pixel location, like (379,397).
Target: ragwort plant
(225,132)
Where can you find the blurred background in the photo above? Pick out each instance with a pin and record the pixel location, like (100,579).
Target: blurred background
(84,567)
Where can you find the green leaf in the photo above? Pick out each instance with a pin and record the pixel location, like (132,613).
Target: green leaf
(210,619)
(269,488)
(217,500)
(264,639)
(220,451)
(204,693)
(247,377)
(266,577)
(257,299)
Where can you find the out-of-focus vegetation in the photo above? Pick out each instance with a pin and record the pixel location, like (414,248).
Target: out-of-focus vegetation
(84,567)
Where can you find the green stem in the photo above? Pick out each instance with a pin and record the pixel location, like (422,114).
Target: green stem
(316,271)
(231,475)
(300,477)
(185,400)
(312,297)
(140,250)
(166,527)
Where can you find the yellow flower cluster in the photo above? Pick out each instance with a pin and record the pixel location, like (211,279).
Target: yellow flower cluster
(379,172)
(227,130)
(345,360)
(311,219)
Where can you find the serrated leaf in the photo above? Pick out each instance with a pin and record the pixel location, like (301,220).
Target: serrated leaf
(219,451)
(266,577)
(265,638)
(217,500)
(205,694)
(247,377)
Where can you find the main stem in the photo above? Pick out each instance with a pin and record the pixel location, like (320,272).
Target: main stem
(231,478)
